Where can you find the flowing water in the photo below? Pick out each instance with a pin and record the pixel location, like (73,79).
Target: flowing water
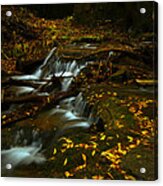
(69,114)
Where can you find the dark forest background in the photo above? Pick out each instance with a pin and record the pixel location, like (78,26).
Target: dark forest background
(126,15)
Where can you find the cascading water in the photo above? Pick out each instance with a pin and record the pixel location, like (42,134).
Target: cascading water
(53,66)
(67,115)
(67,70)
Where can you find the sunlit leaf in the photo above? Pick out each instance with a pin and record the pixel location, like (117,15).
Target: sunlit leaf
(103,137)
(67,140)
(4,116)
(97,177)
(80,167)
(68,174)
(84,157)
(54,151)
(65,162)
(129,177)
(130,138)
(110,175)
(93,152)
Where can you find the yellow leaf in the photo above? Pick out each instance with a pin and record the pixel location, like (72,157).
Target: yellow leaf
(80,167)
(86,146)
(130,138)
(110,154)
(65,162)
(52,158)
(100,95)
(103,137)
(110,175)
(144,132)
(114,94)
(138,156)
(122,116)
(137,142)
(132,146)
(109,137)
(68,174)
(84,157)
(132,109)
(128,177)
(93,137)
(63,150)
(93,152)
(66,139)
(54,151)
(113,166)
(4,116)
(70,145)
(97,177)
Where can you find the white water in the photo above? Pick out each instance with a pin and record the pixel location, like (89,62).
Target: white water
(53,66)
(67,115)
(21,156)
(67,69)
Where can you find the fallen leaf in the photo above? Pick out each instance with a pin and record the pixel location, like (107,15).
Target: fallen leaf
(65,162)
(93,152)
(54,151)
(68,174)
(84,157)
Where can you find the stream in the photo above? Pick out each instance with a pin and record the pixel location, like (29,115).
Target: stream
(70,115)
(28,143)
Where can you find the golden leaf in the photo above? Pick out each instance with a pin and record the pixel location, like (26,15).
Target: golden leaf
(66,139)
(97,177)
(138,156)
(70,145)
(65,162)
(84,157)
(114,94)
(138,142)
(144,132)
(4,116)
(80,167)
(109,138)
(68,174)
(122,116)
(54,151)
(130,138)
(110,175)
(100,95)
(103,137)
(86,146)
(93,152)
(132,146)
(132,109)
(129,177)
(52,158)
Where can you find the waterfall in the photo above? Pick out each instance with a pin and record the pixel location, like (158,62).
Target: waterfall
(42,71)
(54,66)
(21,156)
(69,114)
(67,69)
(47,65)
